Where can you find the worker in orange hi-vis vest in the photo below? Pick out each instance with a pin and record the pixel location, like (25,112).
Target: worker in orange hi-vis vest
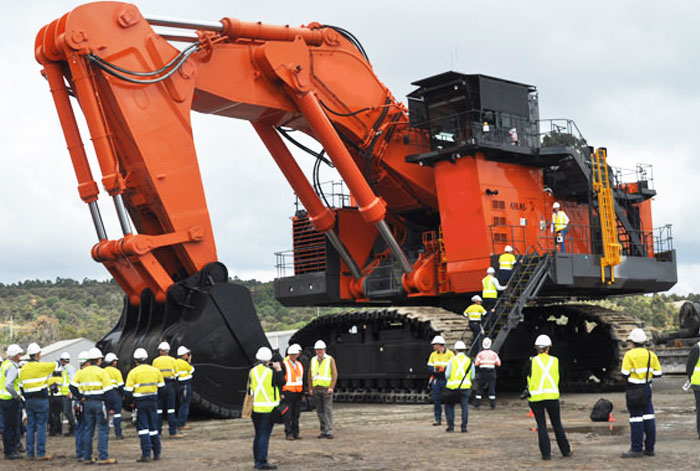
(293,391)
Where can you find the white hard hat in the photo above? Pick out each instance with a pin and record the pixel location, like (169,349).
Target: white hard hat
(182,350)
(33,349)
(320,345)
(486,343)
(14,350)
(637,336)
(94,353)
(264,354)
(476,298)
(490,270)
(83,357)
(438,340)
(65,356)
(110,357)
(140,354)
(165,346)
(294,349)
(509,248)
(556,205)
(459,345)
(543,341)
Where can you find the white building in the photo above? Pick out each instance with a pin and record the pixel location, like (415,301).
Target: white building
(73,346)
(280,340)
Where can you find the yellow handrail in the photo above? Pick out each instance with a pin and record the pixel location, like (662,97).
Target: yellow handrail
(606,209)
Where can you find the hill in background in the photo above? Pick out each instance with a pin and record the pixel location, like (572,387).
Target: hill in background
(47,311)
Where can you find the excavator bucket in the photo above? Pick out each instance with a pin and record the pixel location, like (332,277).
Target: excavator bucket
(215,319)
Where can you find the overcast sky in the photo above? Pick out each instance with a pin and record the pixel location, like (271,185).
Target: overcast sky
(625,71)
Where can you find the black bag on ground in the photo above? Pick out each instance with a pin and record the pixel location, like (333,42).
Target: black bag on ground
(601,410)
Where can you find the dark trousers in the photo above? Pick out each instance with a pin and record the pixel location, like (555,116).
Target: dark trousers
(147,424)
(10,434)
(55,410)
(475,327)
(450,410)
(697,409)
(166,405)
(115,403)
(291,420)
(438,385)
(487,382)
(263,429)
(643,424)
(489,303)
(79,432)
(68,413)
(504,276)
(552,408)
(185,395)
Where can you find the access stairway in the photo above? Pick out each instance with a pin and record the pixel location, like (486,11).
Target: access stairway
(528,276)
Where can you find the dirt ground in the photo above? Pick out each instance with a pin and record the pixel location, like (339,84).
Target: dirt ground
(391,437)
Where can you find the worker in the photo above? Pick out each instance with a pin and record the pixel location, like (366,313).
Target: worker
(490,288)
(77,406)
(486,361)
(265,379)
(10,399)
(692,369)
(114,396)
(185,372)
(55,404)
(166,401)
(33,379)
(437,362)
(293,390)
(543,388)
(459,375)
(506,263)
(323,375)
(67,374)
(141,390)
(560,226)
(91,386)
(475,313)
(639,365)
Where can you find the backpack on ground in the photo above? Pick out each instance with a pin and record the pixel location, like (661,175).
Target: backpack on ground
(601,410)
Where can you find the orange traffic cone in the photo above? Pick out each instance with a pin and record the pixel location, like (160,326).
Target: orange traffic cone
(530,414)
(611,419)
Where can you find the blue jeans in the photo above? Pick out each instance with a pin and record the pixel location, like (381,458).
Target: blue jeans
(263,428)
(438,386)
(185,395)
(643,424)
(37,418)
(561,234)
(93,416)
(115,402)
(450,410)
(166,405)
(10,436)
(147,425)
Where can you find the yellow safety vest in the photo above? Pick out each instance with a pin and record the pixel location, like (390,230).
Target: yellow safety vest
(474,312)
(167,366)
(4,393)
(55,380)
(459,364)
(635,362)
(543,382)
(440,359)
(695,378)
(92,381)
(321,376)
(184,370)
(560,220)
(265,397)
(65,381)
(144,381)
(34,376)
(115,376)
(489,287)
(506,261)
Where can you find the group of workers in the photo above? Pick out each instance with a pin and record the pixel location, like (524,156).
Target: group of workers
(274,384)
(88,396)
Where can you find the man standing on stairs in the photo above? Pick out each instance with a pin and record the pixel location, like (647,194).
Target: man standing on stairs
(490,288)
(560,226)
(475,312)
(487,360)
(506,262)
(437,362)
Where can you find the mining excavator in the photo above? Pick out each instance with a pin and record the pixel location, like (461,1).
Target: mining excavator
(436,190)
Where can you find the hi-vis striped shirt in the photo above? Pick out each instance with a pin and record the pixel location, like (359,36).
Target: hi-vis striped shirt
(92,382)
(167,367)
(144,381)
(34,377)
(634,365)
